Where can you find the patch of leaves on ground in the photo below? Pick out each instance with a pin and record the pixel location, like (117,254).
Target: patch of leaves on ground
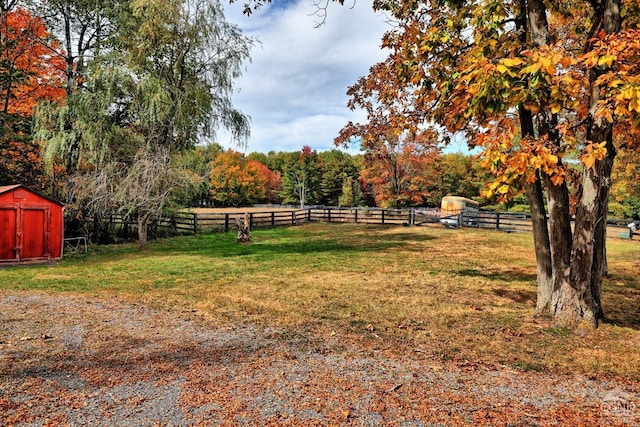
(70,359)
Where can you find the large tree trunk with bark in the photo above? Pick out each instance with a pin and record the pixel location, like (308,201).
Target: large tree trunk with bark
(532,21)
(587,257)
(535,198)
(560,238)
(589,245)
(581,302)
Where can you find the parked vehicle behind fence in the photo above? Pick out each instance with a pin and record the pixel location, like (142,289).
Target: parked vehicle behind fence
(456,211)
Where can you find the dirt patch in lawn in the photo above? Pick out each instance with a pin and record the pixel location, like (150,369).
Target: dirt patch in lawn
(241,210)
(78,360)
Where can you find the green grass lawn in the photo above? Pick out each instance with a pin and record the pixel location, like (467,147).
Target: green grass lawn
(461,295)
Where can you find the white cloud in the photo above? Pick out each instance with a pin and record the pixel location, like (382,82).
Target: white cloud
(295,88)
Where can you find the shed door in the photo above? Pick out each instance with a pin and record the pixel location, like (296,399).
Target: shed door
(8,233)
(33,233)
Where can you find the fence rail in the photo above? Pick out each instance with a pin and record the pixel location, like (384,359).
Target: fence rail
(189,222)
(223,222)
(504,221)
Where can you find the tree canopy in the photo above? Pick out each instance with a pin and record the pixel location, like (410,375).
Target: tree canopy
(150,80)
(29,74)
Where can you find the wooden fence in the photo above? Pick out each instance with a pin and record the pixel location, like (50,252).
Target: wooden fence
(521,222)
(187,222)
(223,222)
(503,221)
(373,215)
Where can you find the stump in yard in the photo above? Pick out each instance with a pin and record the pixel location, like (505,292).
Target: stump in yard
(243,229)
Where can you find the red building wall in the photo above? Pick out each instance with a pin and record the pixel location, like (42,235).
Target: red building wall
(31,226)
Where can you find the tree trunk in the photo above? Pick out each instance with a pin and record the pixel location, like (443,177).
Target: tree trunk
(143,223)
(560,239)
(243,229)
(542,247)
(541,243)
(532,21)
(600,268)
(588,255)
(582,304)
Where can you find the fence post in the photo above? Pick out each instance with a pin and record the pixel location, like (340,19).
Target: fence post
(293,217)
(328,214)
(226,222)
(273,219)
(498,221)
(383,216)
(356,214)
(195,223)
(251,221)
(411,217)
(309,214)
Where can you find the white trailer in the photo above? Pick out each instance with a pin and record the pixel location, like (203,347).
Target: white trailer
(456,211)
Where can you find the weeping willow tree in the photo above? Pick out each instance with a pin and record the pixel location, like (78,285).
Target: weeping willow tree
(160,83)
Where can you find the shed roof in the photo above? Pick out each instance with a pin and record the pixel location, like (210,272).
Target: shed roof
(7,188)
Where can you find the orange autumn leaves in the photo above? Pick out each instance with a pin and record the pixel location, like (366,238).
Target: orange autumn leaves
(31,70)
(551,80)
(621,85)
(236,180)
(471,66)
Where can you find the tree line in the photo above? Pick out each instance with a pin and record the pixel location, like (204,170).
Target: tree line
(332,178)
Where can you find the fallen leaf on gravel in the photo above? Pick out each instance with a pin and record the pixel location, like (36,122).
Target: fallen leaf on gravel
(395,388)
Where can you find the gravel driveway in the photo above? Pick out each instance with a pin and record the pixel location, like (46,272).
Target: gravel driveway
(76,360)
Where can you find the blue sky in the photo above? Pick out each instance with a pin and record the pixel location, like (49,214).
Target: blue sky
(295,87)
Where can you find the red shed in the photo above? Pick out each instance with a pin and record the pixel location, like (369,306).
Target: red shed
(31,226)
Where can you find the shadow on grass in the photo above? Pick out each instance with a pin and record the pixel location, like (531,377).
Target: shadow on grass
(517,296)
(621,302)
(276,242)
(503,276)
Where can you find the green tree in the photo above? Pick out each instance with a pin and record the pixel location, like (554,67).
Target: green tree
(160,84)
(337,166)
(301,177)
(198,162)
(351,194)
(86,29)
(453,175)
